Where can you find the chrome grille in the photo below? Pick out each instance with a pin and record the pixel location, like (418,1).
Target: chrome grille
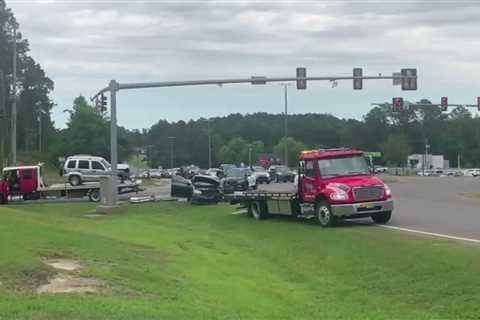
(368,193)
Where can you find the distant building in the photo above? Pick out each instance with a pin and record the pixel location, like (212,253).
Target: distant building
(431,161)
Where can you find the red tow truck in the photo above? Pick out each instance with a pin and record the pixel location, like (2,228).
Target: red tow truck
(332,184)
(28,183)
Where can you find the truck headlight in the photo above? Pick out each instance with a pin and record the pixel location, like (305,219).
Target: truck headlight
(339,195)
(340,191)
(388,191)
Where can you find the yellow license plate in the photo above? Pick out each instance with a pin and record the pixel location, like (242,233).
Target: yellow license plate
(368,205)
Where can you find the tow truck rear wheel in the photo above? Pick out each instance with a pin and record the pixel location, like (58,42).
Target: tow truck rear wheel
(324,214)
(258,210)
(94,195)
(382,217)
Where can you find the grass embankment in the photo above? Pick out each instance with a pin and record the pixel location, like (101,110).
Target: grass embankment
(176,261)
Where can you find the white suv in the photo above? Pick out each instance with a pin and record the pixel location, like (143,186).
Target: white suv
(85,168)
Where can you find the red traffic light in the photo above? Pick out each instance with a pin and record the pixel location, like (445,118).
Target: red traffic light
(397,104)
(444,104)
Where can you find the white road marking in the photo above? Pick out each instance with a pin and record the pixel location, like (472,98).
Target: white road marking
(446,236)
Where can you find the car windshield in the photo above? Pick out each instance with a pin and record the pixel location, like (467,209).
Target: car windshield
(105,163)
(259,169)
(282,169)
(237,172)
(333,167)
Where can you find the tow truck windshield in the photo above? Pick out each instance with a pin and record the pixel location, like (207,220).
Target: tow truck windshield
(349,166)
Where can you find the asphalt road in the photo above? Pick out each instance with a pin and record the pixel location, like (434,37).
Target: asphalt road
(430,204)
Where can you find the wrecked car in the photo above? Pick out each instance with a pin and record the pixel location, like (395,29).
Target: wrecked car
(201,189)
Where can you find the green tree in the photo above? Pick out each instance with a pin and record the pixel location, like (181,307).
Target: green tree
(33,89)
(294,149)
(396,150)
(235,151)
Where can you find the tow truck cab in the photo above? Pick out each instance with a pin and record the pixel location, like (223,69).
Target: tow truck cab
(23,181)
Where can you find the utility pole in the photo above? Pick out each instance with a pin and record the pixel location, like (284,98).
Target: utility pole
(172,140)
(3,121)
(209,144)
(250,155)
(285,91)
(13,143)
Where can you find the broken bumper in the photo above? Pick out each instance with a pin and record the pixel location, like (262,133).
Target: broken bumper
(362,209)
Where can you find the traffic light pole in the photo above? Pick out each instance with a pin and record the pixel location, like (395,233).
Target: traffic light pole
(114,86)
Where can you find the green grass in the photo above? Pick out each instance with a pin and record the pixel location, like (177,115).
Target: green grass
(177,261)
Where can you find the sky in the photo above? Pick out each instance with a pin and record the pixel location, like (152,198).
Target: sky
(82,45)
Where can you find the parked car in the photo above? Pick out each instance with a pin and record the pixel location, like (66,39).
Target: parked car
(261,175)
(238,179)
(472,172)
(282,174)
(85,168)
(379,169)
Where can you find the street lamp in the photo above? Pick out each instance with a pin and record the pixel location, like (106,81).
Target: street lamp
(209,144)
(285,86)
(172,140)
(40,113)
(13,142)
(250,155)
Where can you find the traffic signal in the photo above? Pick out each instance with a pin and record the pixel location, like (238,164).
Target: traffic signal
(103,103)
(397,104)
(444,104)
(357,83)
(478,103)
(302,73)
(409,83)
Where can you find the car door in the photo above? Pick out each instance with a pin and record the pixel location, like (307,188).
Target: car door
(98,169)
(28,181)
(84,169)
(309,181)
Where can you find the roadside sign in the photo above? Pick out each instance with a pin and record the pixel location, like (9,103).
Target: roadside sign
(374,154)
(259,80)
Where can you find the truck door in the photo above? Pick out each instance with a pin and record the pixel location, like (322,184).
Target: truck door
(28,181)
(308,182)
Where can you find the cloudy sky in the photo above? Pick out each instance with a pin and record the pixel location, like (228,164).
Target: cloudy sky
(84,44)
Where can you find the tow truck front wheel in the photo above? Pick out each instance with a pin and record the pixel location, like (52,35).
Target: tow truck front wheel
(324,214)
(94,195)
(382,217)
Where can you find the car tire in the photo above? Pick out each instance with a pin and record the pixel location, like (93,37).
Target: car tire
(382,217)
(324,214)
(94,195)
(258,210)
(75,180)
